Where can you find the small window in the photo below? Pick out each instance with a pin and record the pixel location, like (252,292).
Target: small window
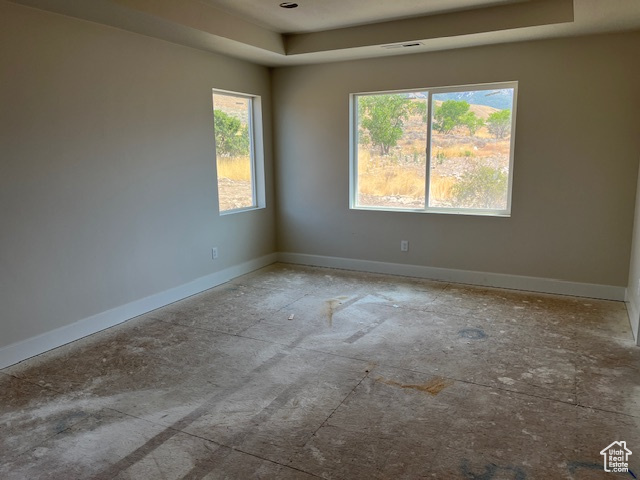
(444,150)
(239,154)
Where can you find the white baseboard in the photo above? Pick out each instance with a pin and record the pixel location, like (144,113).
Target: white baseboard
(19,351)
(33,346)
(516,282)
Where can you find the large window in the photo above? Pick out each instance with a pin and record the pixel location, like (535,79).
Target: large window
(239,153)
(446,150)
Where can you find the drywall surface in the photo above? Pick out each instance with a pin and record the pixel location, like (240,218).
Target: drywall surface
(575,170)
(633,288)
(107,170)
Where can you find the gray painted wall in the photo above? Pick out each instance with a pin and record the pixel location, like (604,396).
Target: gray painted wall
(107,187)
(576,161)
(107,170)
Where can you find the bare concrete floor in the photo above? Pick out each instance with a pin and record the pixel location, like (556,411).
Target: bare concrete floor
(298,373)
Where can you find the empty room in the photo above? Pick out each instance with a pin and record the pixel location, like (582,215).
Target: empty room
(319,239)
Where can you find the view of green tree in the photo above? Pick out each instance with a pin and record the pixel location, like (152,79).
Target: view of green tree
(454,113)
(472,122)
(420,108)
(482,187)
(449,115)
(232,137)
(383,117)
(499,123)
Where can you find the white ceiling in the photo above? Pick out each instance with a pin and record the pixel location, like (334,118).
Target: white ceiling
(317,15)
(333,30)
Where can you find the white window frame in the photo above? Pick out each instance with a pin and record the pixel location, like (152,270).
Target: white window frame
(256,152)
(354,141)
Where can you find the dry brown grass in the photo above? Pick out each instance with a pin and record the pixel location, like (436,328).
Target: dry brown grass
(458,150)
(485,145)
(497,148)
(441,188)
(234,168)
(388,181)
(383,180)
(380,179)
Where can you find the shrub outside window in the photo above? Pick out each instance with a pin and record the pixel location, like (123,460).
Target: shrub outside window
(443,150)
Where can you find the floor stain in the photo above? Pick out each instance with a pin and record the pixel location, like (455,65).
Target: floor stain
(331,306)
(432,387)
(472,333)
(68,420)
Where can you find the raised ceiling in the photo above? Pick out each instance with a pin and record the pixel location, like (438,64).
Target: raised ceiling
(331,30)
(318,15)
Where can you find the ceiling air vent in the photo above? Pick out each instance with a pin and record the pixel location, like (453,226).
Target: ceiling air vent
(402,45)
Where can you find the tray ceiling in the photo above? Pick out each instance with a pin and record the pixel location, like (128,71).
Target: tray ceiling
(334,30)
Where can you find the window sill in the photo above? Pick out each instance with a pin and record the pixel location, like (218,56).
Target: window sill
(444,211)
(240,210)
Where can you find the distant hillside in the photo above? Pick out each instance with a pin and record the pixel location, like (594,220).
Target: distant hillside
(482,111)
(499,99)
(235,106)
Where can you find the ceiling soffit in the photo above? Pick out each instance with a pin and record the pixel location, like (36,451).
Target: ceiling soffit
(468,22)
(198,24)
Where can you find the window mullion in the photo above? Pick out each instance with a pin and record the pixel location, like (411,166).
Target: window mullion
(252,153)
(427,175)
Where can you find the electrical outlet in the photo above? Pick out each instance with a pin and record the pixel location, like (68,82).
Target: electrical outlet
(214,253)
(404,245)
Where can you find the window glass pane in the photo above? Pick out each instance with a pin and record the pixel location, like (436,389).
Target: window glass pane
(232,126)
(471,149)
(391,150)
